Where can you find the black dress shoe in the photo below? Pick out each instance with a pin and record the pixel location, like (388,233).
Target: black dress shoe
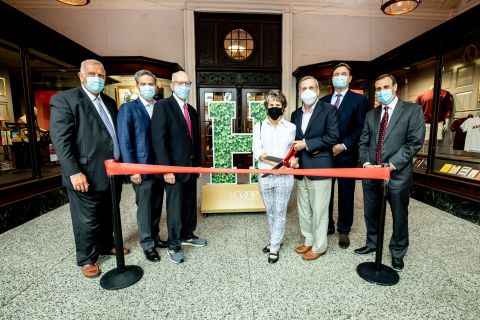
(330,231)
(267,248)
(152,255)
(162,244)
(364,250)
(273,257)
(397,264)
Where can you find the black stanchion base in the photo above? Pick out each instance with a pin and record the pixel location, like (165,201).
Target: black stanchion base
(385,277)
(114,280)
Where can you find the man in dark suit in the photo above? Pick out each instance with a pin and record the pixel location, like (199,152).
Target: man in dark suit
(176,142)
(351,110)
(82,123)
(392,134)
(316,134)
(135,139)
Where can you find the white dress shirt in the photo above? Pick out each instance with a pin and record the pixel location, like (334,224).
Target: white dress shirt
(272,140)
(334,97)
(391,107)
(95,103)
(306,115)
(148,106)
(181,103)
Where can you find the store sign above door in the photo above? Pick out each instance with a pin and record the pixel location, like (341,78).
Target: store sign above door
(225,142)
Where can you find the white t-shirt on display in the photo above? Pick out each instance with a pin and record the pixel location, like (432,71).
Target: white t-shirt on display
(472,127)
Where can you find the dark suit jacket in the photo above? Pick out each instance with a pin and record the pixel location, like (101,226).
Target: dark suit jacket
(172,144)
(80,137)
(134,134)
(403,138)
(351,116)
(321,135)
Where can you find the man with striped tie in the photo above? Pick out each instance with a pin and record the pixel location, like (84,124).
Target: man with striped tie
(83,122)
(392,134)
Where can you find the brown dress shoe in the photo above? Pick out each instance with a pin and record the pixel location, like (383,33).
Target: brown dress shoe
(310,255)
(343,241)
(90,270)
(112,252)
(302,249)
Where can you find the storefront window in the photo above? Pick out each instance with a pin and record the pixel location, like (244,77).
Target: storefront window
(458,150)
(49,76)
(15,149)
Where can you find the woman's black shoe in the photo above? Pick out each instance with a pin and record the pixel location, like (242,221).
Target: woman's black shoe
(273,257)
(267,248)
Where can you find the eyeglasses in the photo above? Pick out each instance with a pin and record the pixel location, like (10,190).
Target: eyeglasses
(182,83)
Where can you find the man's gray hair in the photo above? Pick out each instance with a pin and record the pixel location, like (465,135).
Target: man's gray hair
(89,61)
(141,73)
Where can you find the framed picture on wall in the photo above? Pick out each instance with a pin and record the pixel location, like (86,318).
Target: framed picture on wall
(4,111)
(126,94)
(3,87)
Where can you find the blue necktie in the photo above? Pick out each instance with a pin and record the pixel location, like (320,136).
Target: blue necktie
(110,129)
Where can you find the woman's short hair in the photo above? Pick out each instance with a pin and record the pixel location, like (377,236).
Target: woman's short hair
(276,95)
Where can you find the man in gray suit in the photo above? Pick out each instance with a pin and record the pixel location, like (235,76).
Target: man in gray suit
(392,134)
(83,122)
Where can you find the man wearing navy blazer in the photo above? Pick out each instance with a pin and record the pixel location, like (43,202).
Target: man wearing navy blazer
(176,142)
(83,122)
(351,110)
(316,134)
(393,133)
(135,139)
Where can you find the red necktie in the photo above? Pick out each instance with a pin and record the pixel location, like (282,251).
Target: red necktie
(383,128)
(337,102)
(187,119)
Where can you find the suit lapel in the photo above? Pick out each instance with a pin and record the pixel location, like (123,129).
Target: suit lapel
(344,100)
(376,122)
(88,104)
(395,116)
(178,113)
(142,109)
(315,114)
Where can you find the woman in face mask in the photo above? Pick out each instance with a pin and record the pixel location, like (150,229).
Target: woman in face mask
(272,138)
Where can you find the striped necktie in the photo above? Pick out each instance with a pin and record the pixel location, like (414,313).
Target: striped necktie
(381,136)
(110,129)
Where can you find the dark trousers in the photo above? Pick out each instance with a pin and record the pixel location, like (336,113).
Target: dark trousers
(149,199)
(181,211)
(398,200)
(346,192)
(91,214)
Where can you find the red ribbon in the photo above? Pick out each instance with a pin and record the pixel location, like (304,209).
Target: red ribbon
(117,168)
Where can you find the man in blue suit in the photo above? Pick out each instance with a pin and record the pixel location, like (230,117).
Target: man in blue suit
(351,110)
(316,134)
(134,136)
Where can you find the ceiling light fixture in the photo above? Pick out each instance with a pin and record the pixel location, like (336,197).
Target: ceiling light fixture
(75,2)
(397,7)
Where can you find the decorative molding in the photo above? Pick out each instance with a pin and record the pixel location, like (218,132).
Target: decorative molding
(234,78)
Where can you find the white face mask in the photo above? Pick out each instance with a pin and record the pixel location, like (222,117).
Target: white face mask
(308,97)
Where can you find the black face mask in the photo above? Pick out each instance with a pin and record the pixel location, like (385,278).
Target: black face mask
(274,113)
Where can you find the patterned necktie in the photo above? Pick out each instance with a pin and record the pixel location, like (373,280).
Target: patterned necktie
(383,128)
(110,129)
(187,119)
(337,102)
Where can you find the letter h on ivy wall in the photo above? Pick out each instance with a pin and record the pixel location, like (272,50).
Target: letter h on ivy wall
(225,142)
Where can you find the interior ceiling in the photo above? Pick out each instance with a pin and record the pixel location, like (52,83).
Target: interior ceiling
(435,8)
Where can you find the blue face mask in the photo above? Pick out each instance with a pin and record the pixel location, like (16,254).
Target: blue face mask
(308,97)
(147,92)
(95,84)
(182,91)
(384,96)
(339,82)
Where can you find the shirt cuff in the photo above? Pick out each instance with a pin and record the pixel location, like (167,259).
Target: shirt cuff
(76,174)
(306,146)
(344,146)
(391,165)
(366,164)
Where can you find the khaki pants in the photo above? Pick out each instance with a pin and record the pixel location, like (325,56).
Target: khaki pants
(313,197)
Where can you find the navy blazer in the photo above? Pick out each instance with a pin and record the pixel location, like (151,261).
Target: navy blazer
(172,143)
(351,117)
(321,135)
(134,134)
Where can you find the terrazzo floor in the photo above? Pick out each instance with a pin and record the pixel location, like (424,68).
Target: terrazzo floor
(231,279)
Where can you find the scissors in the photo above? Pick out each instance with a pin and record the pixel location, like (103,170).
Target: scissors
(281,162)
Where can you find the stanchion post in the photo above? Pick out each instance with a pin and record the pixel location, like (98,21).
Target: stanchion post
(122,276)
(376,272)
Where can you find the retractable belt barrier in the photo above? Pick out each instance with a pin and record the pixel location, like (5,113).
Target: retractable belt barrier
(117,168)
(126,275)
